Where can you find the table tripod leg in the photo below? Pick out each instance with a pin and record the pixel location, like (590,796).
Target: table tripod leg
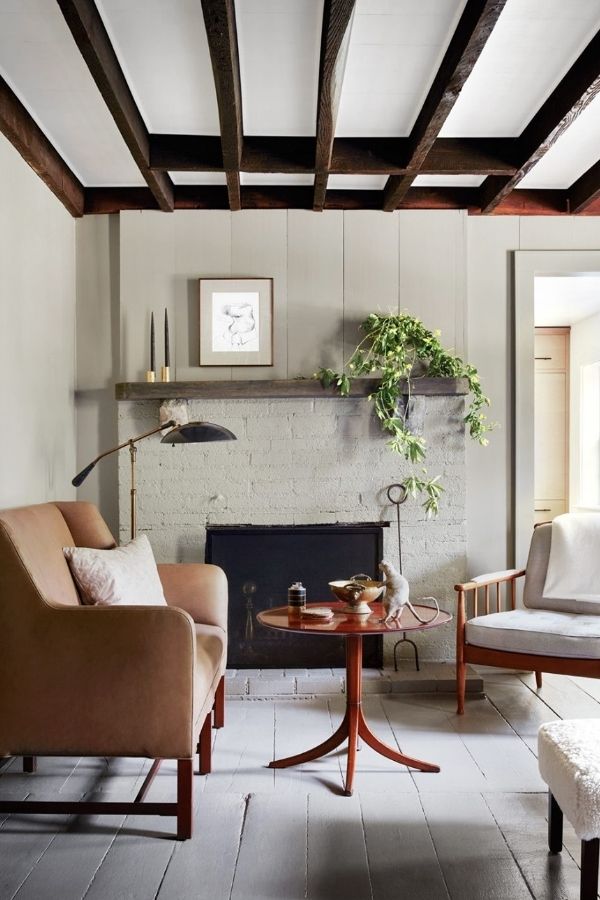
(326,747)
(353,720)
(374,742)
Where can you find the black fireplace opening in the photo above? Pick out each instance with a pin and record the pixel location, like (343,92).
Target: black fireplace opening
(262,561)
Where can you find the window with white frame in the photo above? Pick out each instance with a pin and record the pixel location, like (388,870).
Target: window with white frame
(589,464)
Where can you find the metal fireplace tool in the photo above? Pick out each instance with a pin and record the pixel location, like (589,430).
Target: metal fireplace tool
(397,494)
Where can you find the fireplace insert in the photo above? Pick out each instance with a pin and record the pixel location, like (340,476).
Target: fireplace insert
(262,561)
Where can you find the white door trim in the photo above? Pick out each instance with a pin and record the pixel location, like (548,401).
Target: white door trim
(528,264)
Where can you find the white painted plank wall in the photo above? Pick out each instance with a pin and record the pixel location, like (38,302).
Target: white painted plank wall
(331,269)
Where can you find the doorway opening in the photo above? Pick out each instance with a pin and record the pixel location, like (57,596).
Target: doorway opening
(566,394)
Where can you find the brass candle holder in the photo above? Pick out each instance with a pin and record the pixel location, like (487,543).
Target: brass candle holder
(165,373)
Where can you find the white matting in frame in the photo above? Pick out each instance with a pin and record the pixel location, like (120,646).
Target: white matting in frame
(236,321)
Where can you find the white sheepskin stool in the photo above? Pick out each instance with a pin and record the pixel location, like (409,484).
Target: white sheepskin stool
(569,762)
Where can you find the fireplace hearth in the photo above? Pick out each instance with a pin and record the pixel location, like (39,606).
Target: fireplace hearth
(262,561)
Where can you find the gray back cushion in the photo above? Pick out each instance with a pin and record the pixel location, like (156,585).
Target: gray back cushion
(537,565)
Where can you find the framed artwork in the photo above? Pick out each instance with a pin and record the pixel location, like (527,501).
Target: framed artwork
(236,321)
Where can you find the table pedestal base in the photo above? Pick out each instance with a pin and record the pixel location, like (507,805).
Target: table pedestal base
(353,727)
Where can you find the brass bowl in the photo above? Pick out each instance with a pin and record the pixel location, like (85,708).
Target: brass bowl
(357,602)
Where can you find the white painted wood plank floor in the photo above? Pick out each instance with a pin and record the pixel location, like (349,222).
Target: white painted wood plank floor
(476,830)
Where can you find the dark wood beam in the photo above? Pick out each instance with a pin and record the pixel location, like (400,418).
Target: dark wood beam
(571,96)
(441,198)
(219,18)
(29,140)
(209,196)
(92,39)
(334,46)
(470,156)
(290,155)
(585,190)
(534,203)
(351,156)
(108,200)
(185,153)
(474,28)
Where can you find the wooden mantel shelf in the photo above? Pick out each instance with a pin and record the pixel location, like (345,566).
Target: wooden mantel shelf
(297,388)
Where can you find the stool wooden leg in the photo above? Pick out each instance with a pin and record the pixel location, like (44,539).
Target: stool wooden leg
(538,680)
(29,764)
(555,825)
(219,706)
(589,869)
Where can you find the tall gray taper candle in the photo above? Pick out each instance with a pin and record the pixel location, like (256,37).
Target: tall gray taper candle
(167,355)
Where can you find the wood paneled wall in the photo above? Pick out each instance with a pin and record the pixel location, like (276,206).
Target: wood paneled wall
(330,270)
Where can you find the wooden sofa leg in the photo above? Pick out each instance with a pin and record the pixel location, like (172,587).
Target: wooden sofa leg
(219,705)
(185,798)
(204,746)
(29,764)
(538,680)
(589,869)
(555,825)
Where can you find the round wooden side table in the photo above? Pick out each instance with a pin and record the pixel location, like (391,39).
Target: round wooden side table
(353,628)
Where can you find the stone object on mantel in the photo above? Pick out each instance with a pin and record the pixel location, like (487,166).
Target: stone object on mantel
(290,389)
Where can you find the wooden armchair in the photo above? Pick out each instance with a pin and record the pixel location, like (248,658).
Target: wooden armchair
(560,636)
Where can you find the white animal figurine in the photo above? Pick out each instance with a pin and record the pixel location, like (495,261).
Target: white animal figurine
(396,596)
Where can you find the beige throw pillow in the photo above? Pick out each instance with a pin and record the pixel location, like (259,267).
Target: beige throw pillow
(125,576)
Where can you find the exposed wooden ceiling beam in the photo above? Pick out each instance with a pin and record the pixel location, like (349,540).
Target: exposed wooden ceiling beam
(351,156)
(518,203)
(219,18)
(571,96)
(186,153)
(474,28)
(92,39)
(30,141)
(586,190)
(337,15)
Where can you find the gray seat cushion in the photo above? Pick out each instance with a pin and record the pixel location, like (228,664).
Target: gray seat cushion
(541,632)
(537,565)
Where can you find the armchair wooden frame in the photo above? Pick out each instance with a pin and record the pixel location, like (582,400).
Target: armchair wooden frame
(496,588)
(182,808)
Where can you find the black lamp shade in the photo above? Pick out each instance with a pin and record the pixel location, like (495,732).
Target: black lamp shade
(198,433)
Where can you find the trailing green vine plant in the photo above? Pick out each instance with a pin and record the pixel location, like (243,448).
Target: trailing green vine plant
(391,347)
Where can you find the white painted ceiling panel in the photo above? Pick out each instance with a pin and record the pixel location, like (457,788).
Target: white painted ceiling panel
(279,46)
(572,155)
(395,50)
(163,50)
(198,177)
(533,45)
(40,61)
(448,180)
(255,178)
(565,300)
(356,182)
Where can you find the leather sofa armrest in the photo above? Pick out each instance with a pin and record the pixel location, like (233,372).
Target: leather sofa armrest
(198,588)
(115,681)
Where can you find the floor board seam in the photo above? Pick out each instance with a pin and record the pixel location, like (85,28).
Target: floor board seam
(429,832)
(364,833)
(517,863)
(240,839)
(164,874)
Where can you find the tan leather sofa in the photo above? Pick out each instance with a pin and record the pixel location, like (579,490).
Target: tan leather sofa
(139,681)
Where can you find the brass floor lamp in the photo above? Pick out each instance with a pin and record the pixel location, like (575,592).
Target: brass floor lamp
(190,433)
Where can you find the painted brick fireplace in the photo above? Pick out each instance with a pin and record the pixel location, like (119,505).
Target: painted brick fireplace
(302,461)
